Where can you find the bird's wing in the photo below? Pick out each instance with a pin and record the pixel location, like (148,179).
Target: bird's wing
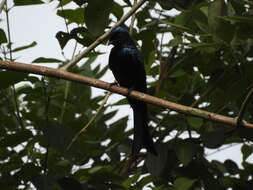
(138,74)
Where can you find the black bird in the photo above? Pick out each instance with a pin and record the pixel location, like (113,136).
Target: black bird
(127,67)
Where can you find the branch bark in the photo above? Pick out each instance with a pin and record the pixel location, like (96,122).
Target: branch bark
(103,37)
(57,73)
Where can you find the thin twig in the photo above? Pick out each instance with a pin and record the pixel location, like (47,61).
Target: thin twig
(66,93)
(64,16)
(164,67)
(8,31)
(243,108)
(103,37)
(11,59)
(57,73)
(221,149)
(132,20)
(208,91)
(47,104)
(91,120)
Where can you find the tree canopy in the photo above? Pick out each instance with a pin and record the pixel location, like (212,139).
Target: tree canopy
(55,134)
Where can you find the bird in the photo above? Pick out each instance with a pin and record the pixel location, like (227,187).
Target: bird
(127,66)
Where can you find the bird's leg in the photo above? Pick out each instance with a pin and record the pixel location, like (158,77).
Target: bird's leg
(130,90)
(113,83)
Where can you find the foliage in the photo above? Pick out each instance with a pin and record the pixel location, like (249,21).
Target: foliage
(206,63)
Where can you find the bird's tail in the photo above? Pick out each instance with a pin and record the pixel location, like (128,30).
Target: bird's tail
(142,136)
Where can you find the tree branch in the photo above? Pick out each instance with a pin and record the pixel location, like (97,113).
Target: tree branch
(103,37)
(57,73)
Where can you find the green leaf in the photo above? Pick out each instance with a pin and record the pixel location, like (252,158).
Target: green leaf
(175,25)
(97,15)
(24,47)
(221,29)
(231,167)
(177,73)
(27,2)
(246,151)
(183,183)
(213,138)
(216,9)
(69,183)
(16,139)
(46,60)
(185,151)
(117,10)
(195,122)
(240,19)
(157,164)
(8,78)
(63,38)
(72,15)
(82,36)
(58,136)
(3,38)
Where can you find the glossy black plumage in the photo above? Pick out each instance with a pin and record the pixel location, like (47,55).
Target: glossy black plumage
(126,64)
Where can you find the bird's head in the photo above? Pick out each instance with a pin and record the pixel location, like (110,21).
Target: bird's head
(119,36)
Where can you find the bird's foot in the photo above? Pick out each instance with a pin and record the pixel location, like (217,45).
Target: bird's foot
(129,91)
(113,84)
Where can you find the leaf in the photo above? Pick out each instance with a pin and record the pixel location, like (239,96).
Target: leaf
(16,139)
(195,122)
(157,164)
(82,36)
(185,151)
(46,60)
(175,25)
(231,167)
(246,151)
(27,2)
(183,183)
(97,16)
(58,136)
(213,138)
(68,183)
(117,10)
(240,19)
(166,4)
(216,9)
(80,2)
(221,29)
(3,38)
(28,171)
(24,47)
(8,78)
(63,38)
(72,15)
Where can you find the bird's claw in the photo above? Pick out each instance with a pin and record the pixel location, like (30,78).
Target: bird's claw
(112,84)
(129,91)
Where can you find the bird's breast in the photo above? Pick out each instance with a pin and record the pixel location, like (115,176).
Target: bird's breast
(122,67)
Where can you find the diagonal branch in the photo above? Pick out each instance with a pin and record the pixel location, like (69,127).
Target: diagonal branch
(90,121)
(2,5)
(103,37)
(243,108)
(57,73)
